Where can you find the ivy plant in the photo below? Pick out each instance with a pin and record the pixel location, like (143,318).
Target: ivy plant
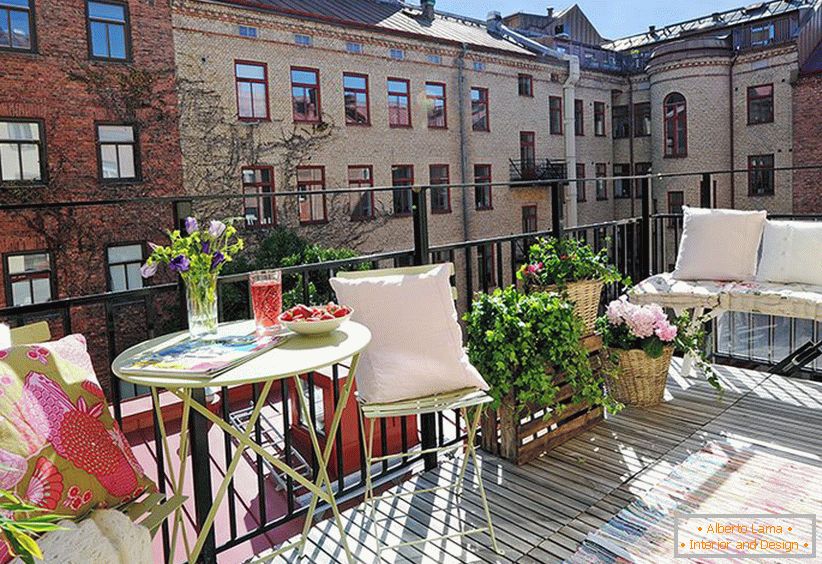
(518,342)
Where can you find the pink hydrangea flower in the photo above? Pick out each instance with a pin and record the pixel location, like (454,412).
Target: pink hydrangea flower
(616,311)
(641,321)
(666,333)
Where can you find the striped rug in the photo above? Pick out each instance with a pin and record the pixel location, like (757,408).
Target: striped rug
(720,478)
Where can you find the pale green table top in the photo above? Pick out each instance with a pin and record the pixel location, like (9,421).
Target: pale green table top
(297,355)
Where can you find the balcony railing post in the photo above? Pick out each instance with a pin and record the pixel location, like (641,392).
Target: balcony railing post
(705,196)
(419,204)
(201,475)
(645,243)
(556,209)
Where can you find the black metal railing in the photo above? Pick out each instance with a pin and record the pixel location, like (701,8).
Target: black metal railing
(637,245)
(536,169)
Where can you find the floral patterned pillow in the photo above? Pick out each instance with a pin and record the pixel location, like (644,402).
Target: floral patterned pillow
(60,448)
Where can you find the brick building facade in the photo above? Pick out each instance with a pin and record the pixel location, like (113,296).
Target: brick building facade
(88,112)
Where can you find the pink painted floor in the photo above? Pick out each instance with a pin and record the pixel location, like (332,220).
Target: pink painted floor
(246,496)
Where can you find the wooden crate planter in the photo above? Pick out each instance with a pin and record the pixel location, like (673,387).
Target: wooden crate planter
(524,438)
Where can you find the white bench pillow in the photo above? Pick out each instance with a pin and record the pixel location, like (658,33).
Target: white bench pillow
(416,347)
(719,244)
(791,252)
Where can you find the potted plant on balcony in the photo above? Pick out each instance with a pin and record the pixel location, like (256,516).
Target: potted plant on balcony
(573,268)
(529,349)
(641,341)
(198,256)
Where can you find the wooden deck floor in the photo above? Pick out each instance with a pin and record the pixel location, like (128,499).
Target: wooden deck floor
(544,510)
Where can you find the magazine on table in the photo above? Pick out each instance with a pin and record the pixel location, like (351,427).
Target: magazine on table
(189,357)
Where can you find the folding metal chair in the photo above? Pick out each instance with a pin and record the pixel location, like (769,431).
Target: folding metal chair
(469,403)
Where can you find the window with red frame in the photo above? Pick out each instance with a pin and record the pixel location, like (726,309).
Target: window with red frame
(399,103)
(581,185)
(29,278)
(676,199)
(311,184)
(675,113)
(305,94)
(355,94)
(258,203)
(362,176)
(579,117)
(252,90)
(601,172)
(621,122)
(480,119)
(760,104)
(599,119)
(402,175)
(622,186)
(482,190)
(642,119)
(555,115)
(435,102)
(440,193)
(527,154)
(485,266)
(529,218)
(525,85)
(760,175)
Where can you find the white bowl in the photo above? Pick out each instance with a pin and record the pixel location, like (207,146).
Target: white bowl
(323,327)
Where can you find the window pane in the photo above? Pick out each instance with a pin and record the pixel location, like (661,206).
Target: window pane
(99,40)
(258,99)
(115,133)
(36,262)
(5,38)
(9,162)
(42,290)
(126,153)
(108,154)
(102,11)
(244,99)
(398,86)
(125,253)
(354,82)
(31,161)
(117,41)
(20,293)
(135,281)
(250,71)
(118,278)
(20,33)
(304,77)
(17,264)
(19,131)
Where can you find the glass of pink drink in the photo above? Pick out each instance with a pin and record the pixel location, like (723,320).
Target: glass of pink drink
(267,299)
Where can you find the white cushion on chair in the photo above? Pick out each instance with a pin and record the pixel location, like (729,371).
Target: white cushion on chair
(791,252)
(719,244)
(416,347)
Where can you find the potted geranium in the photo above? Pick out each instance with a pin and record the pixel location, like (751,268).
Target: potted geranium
(641,340)
(573,268)
(198,257)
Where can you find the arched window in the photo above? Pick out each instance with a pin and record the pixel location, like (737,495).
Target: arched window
(676,125)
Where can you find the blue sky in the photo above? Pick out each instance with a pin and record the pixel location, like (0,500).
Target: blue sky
(613,18)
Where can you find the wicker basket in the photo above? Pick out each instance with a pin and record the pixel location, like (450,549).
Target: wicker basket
(585,295)
(640,380)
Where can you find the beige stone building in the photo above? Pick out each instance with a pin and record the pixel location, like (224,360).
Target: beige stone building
(317,97)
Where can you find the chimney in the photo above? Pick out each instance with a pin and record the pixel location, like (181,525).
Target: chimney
(550,12)
(652,29)
(427,9)
(716,17)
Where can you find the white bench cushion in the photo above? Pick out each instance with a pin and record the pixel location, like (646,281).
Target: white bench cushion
(665,290)
(791,253)
(802,301)
(719,244)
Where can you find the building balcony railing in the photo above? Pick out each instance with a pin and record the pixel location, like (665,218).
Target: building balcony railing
(536,169)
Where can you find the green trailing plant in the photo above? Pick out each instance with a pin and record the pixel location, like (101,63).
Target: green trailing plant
(21,523)
(519,342)
(558,262)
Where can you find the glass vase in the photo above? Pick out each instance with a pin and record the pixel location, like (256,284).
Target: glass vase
(201,301)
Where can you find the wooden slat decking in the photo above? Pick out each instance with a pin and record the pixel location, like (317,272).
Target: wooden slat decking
(543,511)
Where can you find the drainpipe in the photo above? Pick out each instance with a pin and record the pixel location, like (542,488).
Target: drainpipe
(632,124)
(569,95)
(463,140)
(731,113)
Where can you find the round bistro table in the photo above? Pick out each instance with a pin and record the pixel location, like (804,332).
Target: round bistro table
(295,356)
